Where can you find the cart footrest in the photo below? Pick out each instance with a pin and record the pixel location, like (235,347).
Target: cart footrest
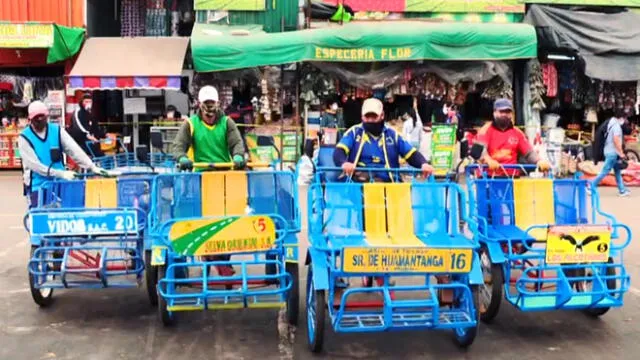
(86,267)
(209,291)
(363,322)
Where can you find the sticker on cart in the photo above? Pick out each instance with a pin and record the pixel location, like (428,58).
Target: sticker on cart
(222,236)
(410,260)
(578,244)
(84,223)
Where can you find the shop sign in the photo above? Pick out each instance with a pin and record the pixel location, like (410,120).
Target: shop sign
(363,54)
(443,142)
(25,36)
(238,5)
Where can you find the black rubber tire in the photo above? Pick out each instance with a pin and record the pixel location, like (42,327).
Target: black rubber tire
(36,294)
(293,298)
(497,277)
(468,338)
(316,344)
(151,279)
(167,318)
(25,222)
(611,285)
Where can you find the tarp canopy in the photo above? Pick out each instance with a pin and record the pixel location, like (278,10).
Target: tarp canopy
(63,42)
(609,44)
(129,63)
(214,50)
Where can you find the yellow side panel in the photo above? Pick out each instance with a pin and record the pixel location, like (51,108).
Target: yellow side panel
(237,192)
(533,205)
(375,222)
(212,193)
(101,193)
(400,215)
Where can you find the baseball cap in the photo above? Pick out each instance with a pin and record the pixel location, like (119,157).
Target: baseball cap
(503,104)
(372,106)
(208,93)
(37,108)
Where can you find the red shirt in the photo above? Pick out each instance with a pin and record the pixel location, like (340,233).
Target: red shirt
(504,146)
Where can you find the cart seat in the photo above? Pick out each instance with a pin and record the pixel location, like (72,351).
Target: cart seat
(391,215)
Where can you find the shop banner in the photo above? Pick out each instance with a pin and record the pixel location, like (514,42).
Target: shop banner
(287,144)
(443,141)
(241,5)
(457,6)
(26,36)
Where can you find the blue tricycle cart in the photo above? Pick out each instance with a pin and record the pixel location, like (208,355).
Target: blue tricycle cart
(88,233)
(124,160)
(544,244)
(408,231)
(225,240)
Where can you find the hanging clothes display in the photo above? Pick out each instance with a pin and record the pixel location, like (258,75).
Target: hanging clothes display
(156,20)
(550,79)
(132,20)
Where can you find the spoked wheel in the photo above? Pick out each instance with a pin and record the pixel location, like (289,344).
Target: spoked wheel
(42,297)
(168,317)
(632,155)
(587,286)
(151,278)
(293,298)
(465,337)
(491,291)
(25,222)
(316,307)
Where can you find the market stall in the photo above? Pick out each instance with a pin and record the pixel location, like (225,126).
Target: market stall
(33,60)
(588,68)
(132,76)
(374,59)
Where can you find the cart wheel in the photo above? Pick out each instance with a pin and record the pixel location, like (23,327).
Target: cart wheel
(465,337)
(491,291)
(584,286)
(42,297)
(632,155)
(168,318)
(293,298)
(316,306)
(151,277)
(25,222)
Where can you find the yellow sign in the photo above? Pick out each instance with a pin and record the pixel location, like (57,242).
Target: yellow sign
(25,36)
(578,244)
(372,54)
(413,260)
(236,234)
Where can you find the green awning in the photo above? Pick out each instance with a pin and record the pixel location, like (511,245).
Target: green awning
(63,42)
(217,50)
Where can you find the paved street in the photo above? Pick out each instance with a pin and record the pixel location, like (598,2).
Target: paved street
(118,324)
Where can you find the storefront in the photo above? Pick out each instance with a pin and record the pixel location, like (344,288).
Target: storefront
(131,78)
(435,63)
(34,57)
(589,67)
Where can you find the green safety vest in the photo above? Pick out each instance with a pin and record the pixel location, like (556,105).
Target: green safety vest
(209,142)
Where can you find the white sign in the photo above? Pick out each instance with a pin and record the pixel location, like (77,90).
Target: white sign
(134,106)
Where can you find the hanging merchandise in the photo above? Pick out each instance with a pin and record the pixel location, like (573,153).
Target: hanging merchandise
(550,79)
(498,88)
(536,86)
(265,108)
(132,18)
(156,20)
(27,92)
(226,95)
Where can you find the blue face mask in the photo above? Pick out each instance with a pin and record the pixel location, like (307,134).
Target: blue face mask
(374,129)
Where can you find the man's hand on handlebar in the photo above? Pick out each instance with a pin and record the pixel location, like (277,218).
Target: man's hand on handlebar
(184,163)
(348,168)
(426,170)
(238,161)
(68,175)
(493,164)
(543,165)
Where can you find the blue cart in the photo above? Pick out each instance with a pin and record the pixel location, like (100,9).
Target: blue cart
(123,160)
(88,233)
(545,245)
(204,224)
(408,231)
